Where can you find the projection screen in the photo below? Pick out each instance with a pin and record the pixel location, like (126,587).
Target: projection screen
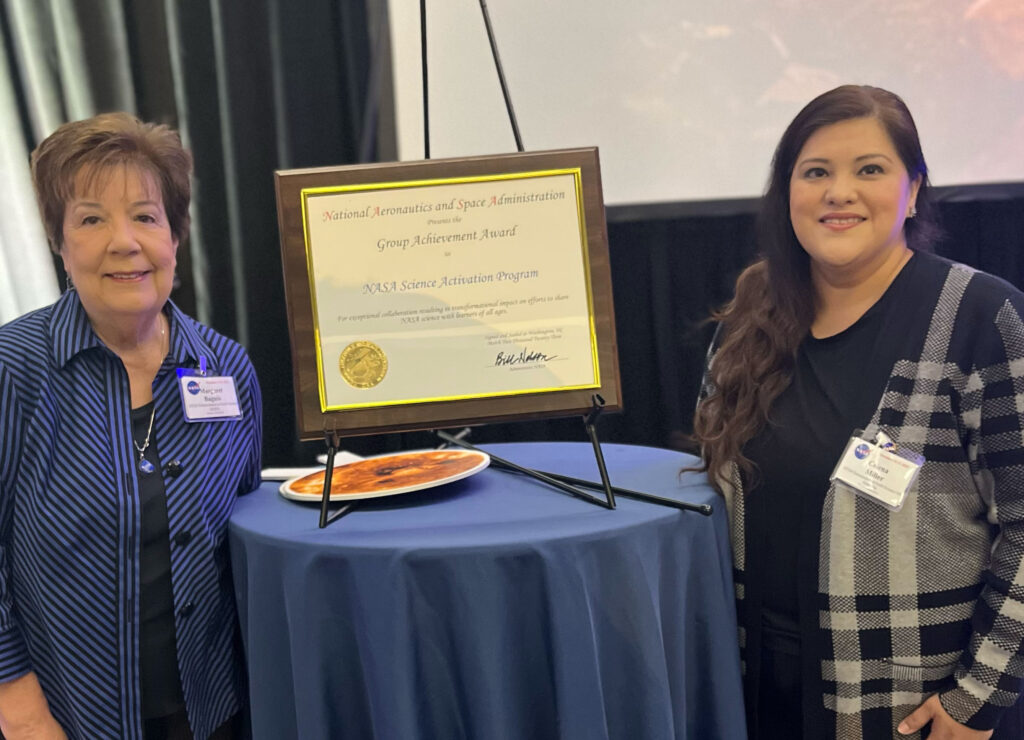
(686,99)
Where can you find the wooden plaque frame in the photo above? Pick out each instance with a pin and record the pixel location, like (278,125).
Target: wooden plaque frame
(313,423)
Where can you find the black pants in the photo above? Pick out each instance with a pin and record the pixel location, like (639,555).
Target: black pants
(779,701)
(175,727)
(1011,726)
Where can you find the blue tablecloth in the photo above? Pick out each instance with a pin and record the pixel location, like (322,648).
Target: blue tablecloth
(493,607)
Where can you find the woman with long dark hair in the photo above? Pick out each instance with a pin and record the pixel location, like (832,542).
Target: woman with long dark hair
(872,603)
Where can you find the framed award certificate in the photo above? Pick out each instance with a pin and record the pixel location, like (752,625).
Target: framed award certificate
(433,294)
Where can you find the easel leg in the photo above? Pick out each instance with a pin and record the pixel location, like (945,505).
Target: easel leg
(332,448)
(590,422)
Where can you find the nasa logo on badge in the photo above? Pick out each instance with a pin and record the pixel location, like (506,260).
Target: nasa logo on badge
(861,451)
(193,387)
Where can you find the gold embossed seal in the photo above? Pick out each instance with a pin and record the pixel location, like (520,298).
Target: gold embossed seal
(363,364)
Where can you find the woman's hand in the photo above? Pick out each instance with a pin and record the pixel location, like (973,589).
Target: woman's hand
(944,727)
(25,713)
(46,729)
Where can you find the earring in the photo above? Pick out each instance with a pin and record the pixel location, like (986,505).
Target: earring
(913,212)
(68,285)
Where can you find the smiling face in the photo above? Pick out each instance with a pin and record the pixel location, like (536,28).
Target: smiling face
(117,247)
(849,195)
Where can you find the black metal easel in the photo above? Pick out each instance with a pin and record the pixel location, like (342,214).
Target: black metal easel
(571,486)
(326,517)
(568,484)
(497,64)
(574,486)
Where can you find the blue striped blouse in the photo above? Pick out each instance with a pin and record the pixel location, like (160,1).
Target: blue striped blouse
(70,520)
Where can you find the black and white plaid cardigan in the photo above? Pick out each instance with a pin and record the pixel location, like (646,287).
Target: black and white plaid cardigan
(931,598)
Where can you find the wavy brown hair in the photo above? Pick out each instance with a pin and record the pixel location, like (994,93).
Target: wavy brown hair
(762,327)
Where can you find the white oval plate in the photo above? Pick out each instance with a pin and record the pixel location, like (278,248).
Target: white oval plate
(388,475)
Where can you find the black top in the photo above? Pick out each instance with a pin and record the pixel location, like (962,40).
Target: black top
(158,657)
(836,386)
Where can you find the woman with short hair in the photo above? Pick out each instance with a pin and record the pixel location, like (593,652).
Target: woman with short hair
(117,470)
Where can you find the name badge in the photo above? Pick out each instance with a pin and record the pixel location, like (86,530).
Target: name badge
(877,470)
(208,397)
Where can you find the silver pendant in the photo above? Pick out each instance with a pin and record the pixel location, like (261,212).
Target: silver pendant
(146,466)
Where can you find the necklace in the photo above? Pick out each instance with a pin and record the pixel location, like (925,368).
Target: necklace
(145,466)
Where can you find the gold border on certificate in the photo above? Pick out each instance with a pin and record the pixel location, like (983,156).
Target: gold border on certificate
(323,362)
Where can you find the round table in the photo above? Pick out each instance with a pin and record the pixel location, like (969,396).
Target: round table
(493,607)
